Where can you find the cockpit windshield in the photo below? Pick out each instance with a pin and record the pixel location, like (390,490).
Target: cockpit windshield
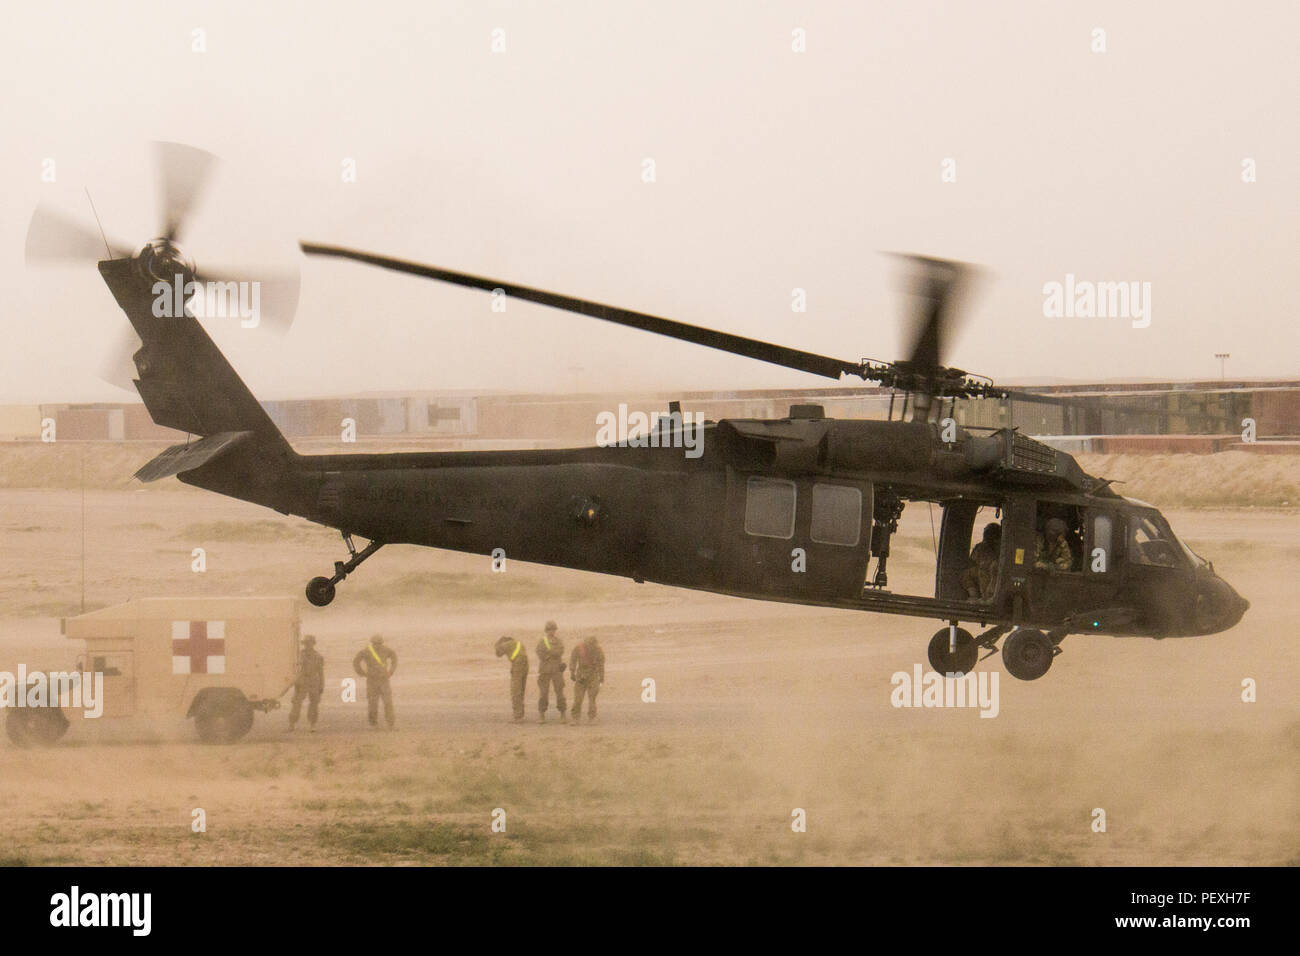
(1196,559)
(1152,542)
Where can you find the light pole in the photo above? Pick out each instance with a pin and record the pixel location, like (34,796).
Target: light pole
(1222,357)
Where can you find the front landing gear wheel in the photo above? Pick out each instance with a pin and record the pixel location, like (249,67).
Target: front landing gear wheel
(320,591)
(1027,653)
(947,661)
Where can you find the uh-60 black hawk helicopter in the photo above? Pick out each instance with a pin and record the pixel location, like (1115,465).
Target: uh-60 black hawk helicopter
(728,521)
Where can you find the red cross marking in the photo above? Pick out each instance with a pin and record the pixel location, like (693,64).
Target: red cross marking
(198,647)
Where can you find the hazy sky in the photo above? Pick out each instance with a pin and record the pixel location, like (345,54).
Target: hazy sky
(775,170)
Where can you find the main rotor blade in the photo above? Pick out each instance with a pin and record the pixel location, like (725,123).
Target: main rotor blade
(183,171)
(723,341)
(937,287)
(53,237)
(1098,404)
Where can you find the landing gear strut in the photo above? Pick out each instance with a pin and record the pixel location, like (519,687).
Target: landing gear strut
(320,590)
(1026,652)
(888,509)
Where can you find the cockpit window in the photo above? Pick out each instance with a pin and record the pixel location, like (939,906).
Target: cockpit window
(1152,543)
(1192,556)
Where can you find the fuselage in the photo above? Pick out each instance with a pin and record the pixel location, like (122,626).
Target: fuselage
(780,510)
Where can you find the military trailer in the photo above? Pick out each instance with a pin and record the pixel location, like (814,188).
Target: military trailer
(217,660)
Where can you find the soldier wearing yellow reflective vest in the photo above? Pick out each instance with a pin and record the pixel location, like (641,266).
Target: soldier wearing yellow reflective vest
(550,672)
(509,647)
(376,663)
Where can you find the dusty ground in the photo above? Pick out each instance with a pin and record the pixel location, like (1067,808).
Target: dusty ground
(760,709)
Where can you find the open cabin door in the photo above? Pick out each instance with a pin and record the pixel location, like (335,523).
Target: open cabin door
(796,536)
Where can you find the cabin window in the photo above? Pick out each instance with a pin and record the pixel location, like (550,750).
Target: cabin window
(1150,544)
(836,515)
(1099,560)
(1063,552)
(102,666)
(769,508)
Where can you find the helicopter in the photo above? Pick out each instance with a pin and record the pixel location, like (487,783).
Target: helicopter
(799,509)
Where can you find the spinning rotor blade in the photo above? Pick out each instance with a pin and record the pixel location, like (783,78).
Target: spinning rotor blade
(937,286)
(183,171)
(119,365)
(723,341)
(274,296)
(257,297)
(53,237)
(1098,404)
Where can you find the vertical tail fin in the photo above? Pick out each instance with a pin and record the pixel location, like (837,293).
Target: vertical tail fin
(184,380)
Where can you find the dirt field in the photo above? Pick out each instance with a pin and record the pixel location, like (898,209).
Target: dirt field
(760,709)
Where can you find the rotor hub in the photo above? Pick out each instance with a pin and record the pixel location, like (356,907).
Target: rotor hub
(162,260)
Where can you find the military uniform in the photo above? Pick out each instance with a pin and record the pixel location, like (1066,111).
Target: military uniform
(981,577)
(587,665)
(509,647)
(550,672)
(376,663)
(309,684)
(1055,556)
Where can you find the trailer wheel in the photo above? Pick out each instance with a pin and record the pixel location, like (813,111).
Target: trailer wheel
(42,726)
(224,721)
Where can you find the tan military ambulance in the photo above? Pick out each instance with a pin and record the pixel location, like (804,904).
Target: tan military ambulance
(214,659)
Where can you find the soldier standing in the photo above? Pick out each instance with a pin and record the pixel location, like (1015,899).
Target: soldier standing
(550,671)
(309,683)
(376,663)
(508,646)
(587,665)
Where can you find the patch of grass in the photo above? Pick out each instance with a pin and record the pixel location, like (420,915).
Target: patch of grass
(642,856)
(419,839)
(405,783)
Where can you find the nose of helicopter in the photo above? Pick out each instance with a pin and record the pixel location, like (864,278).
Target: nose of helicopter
(1218,606)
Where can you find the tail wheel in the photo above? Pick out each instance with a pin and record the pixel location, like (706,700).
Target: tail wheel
(224,722)
(38,725)
(320,591)
(945,660)
(1027,654)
